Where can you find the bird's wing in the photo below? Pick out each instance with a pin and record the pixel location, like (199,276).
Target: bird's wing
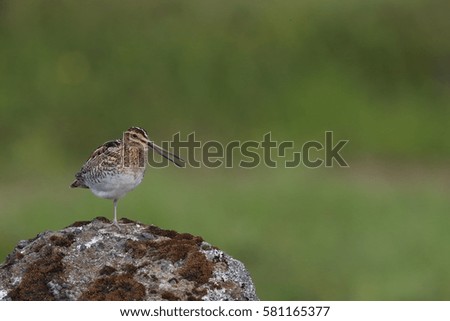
(105,156)
(103,152)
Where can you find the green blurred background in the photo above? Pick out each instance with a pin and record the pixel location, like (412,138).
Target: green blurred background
(74,74)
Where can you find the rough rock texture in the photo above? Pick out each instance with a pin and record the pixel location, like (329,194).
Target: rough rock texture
(96,261)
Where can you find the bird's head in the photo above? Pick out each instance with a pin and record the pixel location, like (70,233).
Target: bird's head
(138,137)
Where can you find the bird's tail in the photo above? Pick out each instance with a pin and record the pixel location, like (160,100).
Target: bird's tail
(77,183)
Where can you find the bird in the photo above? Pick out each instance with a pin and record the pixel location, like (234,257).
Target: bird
(118,166)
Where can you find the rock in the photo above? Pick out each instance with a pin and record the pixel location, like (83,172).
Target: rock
(96,261)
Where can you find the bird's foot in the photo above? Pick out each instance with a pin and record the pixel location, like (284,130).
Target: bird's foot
(116,224)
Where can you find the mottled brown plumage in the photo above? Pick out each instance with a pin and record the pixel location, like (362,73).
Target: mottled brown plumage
(118,166)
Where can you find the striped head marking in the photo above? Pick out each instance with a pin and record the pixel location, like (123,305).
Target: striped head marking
(136,136)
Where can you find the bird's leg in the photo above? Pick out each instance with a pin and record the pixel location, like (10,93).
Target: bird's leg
(115,214)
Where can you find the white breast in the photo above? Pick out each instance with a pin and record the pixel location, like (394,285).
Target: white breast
(117,185)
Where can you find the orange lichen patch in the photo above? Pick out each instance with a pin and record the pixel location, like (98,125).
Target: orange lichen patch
(196,294)
(64,240)
(169,296)
(37,247)
(138,248)
(197,268)
(34,282)
(107,270)
(177,248)
(129,269)
(114,288)
(79,223)
(185,236)
(160,232)
(125,220)
(173,249)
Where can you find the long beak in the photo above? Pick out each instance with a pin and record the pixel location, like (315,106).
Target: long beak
(168,155)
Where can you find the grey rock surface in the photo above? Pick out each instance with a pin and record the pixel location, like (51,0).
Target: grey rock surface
(96,261)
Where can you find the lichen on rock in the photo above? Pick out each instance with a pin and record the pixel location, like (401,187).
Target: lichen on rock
(93,260)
